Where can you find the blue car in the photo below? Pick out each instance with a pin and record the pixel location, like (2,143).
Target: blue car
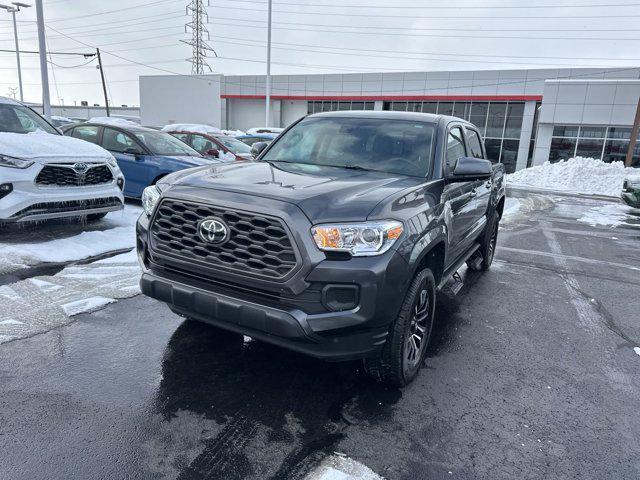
(250,139)
(144,155)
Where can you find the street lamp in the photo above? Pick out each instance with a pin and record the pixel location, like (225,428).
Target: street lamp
(13,9)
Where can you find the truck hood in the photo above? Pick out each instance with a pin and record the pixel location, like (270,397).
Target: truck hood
(48,148)
(324,194)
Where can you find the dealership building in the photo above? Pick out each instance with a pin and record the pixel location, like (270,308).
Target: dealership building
(526,116)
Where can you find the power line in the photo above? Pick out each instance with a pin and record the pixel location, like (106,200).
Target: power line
(107,12)
(438,35)
(442,7)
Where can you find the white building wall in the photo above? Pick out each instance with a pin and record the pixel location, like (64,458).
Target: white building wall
(243,114)
(180,99)
(291,111)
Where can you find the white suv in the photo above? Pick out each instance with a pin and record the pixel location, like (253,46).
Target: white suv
(44,174)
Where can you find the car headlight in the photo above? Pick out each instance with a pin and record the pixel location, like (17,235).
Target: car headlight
(12,162)
(358,239)
(111,161)
(150,197)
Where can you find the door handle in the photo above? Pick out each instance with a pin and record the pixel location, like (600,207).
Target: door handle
(473,193)
(488,184)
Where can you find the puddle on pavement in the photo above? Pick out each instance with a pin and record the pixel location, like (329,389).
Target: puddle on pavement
(278,413)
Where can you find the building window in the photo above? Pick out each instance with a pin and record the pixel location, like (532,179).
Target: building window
(332,106)
(608,144)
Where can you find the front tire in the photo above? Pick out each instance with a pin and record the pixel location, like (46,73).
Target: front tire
(404,351)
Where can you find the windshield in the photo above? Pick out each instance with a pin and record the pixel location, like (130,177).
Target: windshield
(391,146)
(20,119)
(234,146)
(161,143)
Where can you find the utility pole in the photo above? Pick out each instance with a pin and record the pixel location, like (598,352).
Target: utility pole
(198,42)
(634,136)
(44,73)
(267,112)
(13,10)
(104,84)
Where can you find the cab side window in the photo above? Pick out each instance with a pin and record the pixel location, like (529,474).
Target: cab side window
(116,141)
(202,144)
(475,146)
(455,147)
(87,132)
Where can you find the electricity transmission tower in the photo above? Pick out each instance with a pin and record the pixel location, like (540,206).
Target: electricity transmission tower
(199,37)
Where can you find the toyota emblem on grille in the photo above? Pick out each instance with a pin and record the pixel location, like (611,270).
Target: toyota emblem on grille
(80,168)
(213,230)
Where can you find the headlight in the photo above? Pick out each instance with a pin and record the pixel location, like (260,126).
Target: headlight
(150,197)
(112,163)
(359,239)
(13,162)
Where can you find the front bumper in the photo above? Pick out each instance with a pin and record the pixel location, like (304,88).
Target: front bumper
(294,314)
(28,201)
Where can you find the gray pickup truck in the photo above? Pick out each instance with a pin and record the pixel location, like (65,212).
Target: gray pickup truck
(334,242)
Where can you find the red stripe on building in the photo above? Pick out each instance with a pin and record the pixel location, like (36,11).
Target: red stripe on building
(395,98)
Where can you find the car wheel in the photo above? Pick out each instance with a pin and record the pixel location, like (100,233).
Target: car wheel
(93,217)
(487,245)
(404,351)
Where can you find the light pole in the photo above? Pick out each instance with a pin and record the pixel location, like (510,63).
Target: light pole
(13,10)
(267,113)
(42,50)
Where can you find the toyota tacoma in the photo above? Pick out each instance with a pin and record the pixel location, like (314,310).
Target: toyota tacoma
(334,241)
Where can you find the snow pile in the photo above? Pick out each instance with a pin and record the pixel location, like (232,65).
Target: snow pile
(233,133)
(115,121)
(86,244)
(192,128)
(40,144)
(579,175)
(340,467)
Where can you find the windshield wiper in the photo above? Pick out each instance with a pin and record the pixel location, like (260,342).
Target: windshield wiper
(350,167)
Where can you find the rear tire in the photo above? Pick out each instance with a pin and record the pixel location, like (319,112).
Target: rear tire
(488,243)
(404,351)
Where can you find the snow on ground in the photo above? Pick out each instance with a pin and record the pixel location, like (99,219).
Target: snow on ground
(39,304)
(637,350)
(192,127)
(338,467)
(577,175)
(609,215)
(78,247)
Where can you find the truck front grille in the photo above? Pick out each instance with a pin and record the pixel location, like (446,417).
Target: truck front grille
(258,245)
(66,176)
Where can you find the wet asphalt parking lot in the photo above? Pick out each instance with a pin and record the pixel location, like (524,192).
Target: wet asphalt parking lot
(531,374)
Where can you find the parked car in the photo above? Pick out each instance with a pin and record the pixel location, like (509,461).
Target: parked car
(257,137)
(144,155)
(258,130)
(631,192)
(335,241)
(210,141)
(45,175)
(58,121)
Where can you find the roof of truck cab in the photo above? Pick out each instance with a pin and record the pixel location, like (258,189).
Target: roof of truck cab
(391,115)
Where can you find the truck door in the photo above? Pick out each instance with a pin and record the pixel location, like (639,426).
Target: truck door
(481,187)
(459,194)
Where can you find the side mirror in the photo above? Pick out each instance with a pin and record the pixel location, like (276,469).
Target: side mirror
(470,167)
(257,148)
(132,151)
(213,152)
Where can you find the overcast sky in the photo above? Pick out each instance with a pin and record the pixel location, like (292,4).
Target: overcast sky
(314,36)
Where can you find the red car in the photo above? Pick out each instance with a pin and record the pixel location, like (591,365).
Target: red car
(210,141)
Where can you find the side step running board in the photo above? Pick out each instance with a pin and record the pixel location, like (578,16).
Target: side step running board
(451,275)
